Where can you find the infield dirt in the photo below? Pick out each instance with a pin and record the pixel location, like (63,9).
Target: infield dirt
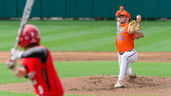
(108,56)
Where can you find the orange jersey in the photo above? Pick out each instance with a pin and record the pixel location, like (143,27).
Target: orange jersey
(124,40)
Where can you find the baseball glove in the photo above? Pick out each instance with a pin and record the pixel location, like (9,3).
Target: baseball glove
(132,27)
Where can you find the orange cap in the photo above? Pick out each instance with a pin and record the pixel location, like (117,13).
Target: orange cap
(124,13)
(121,7)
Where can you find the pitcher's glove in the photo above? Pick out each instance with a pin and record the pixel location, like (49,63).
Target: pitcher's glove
(133,27)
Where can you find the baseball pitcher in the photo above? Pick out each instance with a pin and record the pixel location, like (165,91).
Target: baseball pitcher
(117,14)
(37,64)
(127,54)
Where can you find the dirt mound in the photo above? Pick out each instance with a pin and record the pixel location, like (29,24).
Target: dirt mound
(104,85)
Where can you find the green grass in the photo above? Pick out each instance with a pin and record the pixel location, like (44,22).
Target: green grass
(2,93)
(88,35)
(28,94)
(7,76)
(87,68)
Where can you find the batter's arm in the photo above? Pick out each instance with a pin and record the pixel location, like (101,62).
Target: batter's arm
(20,72)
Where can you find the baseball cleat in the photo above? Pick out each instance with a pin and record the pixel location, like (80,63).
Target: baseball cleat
(132,76)
(119,84)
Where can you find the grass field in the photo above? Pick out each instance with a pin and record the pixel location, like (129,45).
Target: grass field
(87,68)
(88,35)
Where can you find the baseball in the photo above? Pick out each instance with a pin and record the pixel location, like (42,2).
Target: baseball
(138,17)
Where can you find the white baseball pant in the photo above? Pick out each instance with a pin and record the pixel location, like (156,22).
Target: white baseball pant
(124,61)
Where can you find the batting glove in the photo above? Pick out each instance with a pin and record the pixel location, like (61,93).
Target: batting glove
(15,53)
(11,62)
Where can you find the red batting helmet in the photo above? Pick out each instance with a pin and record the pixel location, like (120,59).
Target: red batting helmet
(30,35)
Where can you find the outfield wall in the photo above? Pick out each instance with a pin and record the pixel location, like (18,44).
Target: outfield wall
(87,8)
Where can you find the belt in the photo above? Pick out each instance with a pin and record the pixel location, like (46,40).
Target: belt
(124,52)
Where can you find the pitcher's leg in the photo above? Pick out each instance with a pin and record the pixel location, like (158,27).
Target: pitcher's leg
(119,59)
(131,59)
(126,58)
(133,56)
(122,71)
(129,70)
(123,68)
(130,73)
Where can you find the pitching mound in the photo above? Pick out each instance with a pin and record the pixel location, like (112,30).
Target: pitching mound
(104,85)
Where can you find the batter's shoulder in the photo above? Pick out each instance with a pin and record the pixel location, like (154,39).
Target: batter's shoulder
(37,52)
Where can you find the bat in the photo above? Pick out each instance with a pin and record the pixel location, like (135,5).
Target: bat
(26,14)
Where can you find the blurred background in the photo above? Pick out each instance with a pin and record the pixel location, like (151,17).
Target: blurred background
(98,9)
(87,25)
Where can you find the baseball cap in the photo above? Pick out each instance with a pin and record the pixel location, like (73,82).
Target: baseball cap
(124,13)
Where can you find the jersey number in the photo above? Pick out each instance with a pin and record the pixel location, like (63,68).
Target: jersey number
(40,88)
(121,37)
